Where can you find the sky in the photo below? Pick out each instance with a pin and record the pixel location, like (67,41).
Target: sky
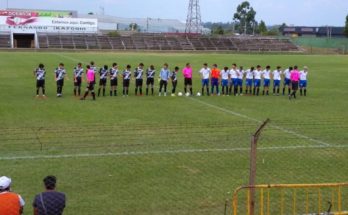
(291,12)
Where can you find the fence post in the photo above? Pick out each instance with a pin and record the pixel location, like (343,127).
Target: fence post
(253,160)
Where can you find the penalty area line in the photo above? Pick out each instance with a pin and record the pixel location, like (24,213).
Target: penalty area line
(162,152)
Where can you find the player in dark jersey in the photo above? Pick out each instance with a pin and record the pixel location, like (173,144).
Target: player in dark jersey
(40,73)
(59,77)
(127,74)
(138,74)
(150,79)
(78,72)
(174,78)
(103,76)
(113,79)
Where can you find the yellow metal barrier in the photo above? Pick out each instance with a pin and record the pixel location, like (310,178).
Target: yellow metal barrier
(302,199)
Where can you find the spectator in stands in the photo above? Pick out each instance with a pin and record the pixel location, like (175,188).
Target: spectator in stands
(215,76)
(187,72)
(294,77)
(10,202)
(49,202)
(205,74)
(174,77)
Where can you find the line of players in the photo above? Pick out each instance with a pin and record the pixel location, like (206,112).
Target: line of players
(231,80)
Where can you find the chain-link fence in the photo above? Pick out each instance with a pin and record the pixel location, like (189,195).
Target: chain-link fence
(173,168)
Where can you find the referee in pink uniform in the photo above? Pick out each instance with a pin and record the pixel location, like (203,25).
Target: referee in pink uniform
(294,77)
(187,72)
(90,75)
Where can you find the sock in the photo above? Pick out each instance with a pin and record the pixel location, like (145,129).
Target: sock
(267,92)
(104,92)
(223,90)
(75,91)
(93,95)
(127,91)
(191,91)
(79,91)
(123,91)
(254,90)
(305,92)
(147,91)
(152,91)
(86,94)
(284,91)
(136,91)
(235,90)
(246,91)
(289,91)
(207,91)
(263,92)
(258,91)
(99,92)
(301,92)
(115,92)
(241,90)
(141,91)
(110,92)
(185,90)
(37,91)
(274,90)
(44,91)
(202,91)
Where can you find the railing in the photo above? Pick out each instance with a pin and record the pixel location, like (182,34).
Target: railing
(308,199)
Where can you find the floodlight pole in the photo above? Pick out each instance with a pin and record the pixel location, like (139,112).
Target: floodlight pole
(253,156)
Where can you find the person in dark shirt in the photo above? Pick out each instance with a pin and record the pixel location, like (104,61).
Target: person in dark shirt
(174,78)
(150,79)
(59,77)
(138,75)
(40,79)
(78,72)
(103,74)
(49,202)
(127,74)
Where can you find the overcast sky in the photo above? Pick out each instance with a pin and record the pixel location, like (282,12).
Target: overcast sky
(297,12)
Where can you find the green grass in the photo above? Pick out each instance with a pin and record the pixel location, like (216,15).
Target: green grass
(167,155)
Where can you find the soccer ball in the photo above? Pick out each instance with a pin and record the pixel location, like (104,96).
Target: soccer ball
(180,94)
(198,94)
(187,94)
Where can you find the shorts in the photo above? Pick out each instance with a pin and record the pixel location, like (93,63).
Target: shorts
(287,82)
(205,82)
(150,81)
(294,85)
(77,82)
(240,82)
(234,82)
(113,82)
(40,83)
(266,82)
(102,82)
(249,82)
(215,82)
(91,86)
(224,83)
(126,83)
(303,84)
(138,82)
(188,81)
(60,82)
(257,83)
(276,83)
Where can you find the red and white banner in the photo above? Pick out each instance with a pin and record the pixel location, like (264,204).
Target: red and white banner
(49,25)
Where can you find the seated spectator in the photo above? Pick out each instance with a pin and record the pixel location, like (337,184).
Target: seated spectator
(49,202)
(10,202)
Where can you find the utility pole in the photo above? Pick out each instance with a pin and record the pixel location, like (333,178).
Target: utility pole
(253,159)
(194,20)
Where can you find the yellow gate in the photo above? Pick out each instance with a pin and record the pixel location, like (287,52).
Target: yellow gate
(294,199)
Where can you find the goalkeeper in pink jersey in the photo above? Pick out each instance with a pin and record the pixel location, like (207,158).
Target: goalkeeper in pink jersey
(90,75)
(187,72)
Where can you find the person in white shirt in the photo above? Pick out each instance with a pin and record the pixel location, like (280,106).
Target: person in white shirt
(257,80)
(240,73)
(287,81)
(277,77)
(225,76)
(234,80)
(205,74)
(249,76)
(266,74)
(303,81)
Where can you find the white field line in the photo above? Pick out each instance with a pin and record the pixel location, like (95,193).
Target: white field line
(238,114)
(258,121)
(162,152)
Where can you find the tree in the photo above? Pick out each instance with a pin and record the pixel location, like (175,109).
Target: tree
(133,27)
(245,15)
(218,30)
(262,28)
(346,27)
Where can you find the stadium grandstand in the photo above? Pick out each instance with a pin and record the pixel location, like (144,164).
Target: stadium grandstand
(45,29)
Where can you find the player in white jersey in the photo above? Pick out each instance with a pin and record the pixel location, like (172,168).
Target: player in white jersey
(287,81)
(113,79)
(103,76)
(234,80)
(205,74)
(138,75)
(40,73)
(266,74)
(240,73)
(249,76)
(225,76)
(78,72)
(277,77)
(257,80)
(303,81)
(60,74)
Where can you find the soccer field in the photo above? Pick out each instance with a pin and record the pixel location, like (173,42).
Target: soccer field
(167,155)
